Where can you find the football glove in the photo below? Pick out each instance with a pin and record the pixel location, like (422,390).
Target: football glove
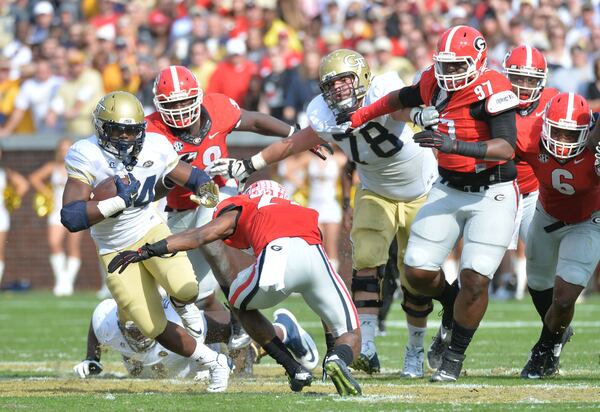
(207,195)
(127,192)
(239,170)
(127,257)
(597,162)
(87,367)
(424,116)
(435,140)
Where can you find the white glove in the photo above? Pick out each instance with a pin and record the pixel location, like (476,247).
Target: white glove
(87,367)
(206,195)
(424,116)
(239,170)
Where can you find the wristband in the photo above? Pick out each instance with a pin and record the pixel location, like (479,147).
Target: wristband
(159,248)
(111,206)
(258,162)
(346,203)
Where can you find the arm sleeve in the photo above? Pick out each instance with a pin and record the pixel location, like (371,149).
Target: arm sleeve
(504,126)
(410,96)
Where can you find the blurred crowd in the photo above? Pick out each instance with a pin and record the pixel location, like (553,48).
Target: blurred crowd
(59,57)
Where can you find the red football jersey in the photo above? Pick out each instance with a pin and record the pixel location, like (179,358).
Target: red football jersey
(456,119)
(266,218)
(569,192)
(529,126)
(224,115)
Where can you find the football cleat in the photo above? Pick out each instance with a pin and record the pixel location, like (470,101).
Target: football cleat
(439,344)
(192,318)
(558,349)
(302,377)
(342,378)
(536,363)
(297,340)
(414,357)
(366,364)
(219,370)
(449,370)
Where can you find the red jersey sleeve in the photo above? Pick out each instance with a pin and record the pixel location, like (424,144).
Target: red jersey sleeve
(238,239)
(225,109)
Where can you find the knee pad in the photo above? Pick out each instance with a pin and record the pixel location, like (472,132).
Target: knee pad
(368,284)
(417,301)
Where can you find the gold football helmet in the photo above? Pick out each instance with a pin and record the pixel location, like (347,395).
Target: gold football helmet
(344,78)
(120,126)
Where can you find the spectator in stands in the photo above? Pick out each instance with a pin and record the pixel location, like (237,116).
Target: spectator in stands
(77,97)
(575,78)
(147,71)
(233,75)
(274,85)
(592,89)
(201,63)
(49,181)
(43,14)
(8,94)
(558,55)
(34,97)
(303,85)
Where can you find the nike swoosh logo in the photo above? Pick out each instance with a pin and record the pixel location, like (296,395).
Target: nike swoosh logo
(210,136)
(444,114)
(577,161)
(538,114)
(312,355)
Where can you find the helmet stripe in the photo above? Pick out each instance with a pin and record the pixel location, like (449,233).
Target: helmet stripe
(175,77)
(529,57)
(449,38)
(570,106)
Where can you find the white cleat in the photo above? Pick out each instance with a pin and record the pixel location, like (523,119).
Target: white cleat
(192,318)
(414,357)
(219,370)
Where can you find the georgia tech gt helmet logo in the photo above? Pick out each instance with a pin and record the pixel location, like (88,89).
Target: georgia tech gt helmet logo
(354,60)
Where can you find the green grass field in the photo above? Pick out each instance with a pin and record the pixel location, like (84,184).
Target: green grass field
(42,337)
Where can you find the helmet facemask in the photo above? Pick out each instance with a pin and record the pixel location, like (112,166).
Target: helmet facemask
(454,81)
(527,84)
(564,139)
(343,98)
(134,337)
(124,141)
(176,115)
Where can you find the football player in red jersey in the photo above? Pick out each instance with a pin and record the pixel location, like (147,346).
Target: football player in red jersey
(526,68)
(476,195)
(286,241)
(563,245)
(197,125)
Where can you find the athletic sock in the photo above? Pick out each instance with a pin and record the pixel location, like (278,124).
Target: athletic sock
(203,353)
(542,300)
(73,265)
(57,262)
(416,335)
(521,272)
(549,339)
(277,350)
(329,341)
(447,298)
(368,328)
(344,352)
(461,338)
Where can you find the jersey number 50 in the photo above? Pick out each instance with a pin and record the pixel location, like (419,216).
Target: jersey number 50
(375,135)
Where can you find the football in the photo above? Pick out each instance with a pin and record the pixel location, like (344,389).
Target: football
(106,189)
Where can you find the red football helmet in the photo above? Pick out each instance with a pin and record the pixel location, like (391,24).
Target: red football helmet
(567,120)
(459,45)
(177,84)
(526,68)
(267,187)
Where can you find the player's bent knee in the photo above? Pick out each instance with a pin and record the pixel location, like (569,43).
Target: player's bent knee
(187,293)
(415,305)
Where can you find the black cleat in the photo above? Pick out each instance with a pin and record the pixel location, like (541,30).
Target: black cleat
(449,370)
(364,363)
(342,378)
(438,346)
(536,364)
(302,377)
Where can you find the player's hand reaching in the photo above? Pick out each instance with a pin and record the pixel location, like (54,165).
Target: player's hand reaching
(87,367)
(597,162)
(127,192)
(424,116)
(207,195)
(232,168)
(127,257)
(320,150)
(435,140)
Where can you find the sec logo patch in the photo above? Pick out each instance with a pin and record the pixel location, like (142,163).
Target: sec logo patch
(543,158)
(178,146)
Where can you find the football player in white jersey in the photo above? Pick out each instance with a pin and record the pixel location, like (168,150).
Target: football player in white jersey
(395,173)
(122,147)
(145,358)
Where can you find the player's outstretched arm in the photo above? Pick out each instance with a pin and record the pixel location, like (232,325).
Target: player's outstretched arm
(264,124)
(79,212)
(197,181)
(91,364)
(218,228)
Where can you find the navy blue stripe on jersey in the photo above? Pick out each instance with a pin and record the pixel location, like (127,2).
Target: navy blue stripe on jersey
(339,292)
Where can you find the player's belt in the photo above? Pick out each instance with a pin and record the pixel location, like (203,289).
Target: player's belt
(170,209)
(525,195)
(555,226)
(465,188)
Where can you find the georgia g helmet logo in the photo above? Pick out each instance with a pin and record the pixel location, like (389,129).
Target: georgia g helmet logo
(354,60)
(479,44)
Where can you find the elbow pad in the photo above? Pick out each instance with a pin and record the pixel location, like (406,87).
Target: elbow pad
(74,216)
(197,178)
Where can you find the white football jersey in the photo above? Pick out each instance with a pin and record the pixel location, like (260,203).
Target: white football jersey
(157,362)
(387,159)
(89,163)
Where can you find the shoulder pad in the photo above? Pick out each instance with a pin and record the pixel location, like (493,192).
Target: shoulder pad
(501,102)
